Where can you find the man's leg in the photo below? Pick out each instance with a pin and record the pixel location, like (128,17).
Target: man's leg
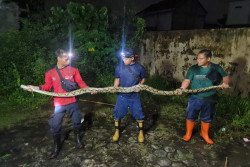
(55,123)
(207,112)
(120,110)
(136,110)
(75,115)
(193,109)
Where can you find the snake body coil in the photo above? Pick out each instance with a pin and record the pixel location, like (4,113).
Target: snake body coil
(121,90)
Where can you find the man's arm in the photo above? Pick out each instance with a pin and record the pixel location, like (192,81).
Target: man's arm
(225,84)
(46,87)
(79,81)
(142,81)
(117,82)
(185,84)
(143,76)
(30,87)
(48,83)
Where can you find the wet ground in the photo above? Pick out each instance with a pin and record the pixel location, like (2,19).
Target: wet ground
(30,143)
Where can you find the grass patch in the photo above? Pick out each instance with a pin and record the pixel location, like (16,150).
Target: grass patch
(8,119)
(12,113)
(232,118)
(6,156)
(184,157)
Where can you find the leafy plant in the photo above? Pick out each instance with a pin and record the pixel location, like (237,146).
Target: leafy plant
(235,111)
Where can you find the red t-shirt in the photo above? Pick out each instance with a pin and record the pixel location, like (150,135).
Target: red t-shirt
(52,80)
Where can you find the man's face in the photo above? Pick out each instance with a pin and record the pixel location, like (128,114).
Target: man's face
(202,60)
(63,59)
(127,61)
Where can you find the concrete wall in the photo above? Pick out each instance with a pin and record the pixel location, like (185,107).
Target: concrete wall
(169,54)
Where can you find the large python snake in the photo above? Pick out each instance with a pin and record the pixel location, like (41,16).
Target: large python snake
(121,90)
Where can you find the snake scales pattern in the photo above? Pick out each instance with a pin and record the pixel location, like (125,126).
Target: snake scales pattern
(121,90)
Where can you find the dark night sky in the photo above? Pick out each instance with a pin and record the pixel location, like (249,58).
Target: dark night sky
(215,8)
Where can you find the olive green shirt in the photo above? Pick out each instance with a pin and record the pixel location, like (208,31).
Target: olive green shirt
(197,75)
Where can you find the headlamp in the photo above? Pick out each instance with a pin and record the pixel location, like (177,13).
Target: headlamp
(65,55)
(70,54)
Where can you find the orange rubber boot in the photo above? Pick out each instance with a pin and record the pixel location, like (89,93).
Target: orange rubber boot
(204,132)
(189,126)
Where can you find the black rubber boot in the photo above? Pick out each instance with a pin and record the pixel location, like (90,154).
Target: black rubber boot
(57,146)
(77,139)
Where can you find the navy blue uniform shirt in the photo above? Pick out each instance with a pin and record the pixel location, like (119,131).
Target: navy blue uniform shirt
(127,79)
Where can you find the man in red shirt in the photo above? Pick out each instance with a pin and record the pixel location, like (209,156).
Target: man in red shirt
(62,104)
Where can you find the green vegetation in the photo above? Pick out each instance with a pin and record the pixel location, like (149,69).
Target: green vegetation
(6,156)
(12,113)
(232,117)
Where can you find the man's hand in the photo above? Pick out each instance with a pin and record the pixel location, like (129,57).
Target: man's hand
(225,86)
(137,90)
(179,90)
(31,87)
(94,92)
(184,85)
(113,91)
(141,83)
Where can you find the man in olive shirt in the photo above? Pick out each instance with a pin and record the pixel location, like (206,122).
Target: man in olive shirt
(203,74)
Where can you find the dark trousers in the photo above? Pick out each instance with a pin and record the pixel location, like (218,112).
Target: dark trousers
(199,106)
(122,105)
(56,119)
